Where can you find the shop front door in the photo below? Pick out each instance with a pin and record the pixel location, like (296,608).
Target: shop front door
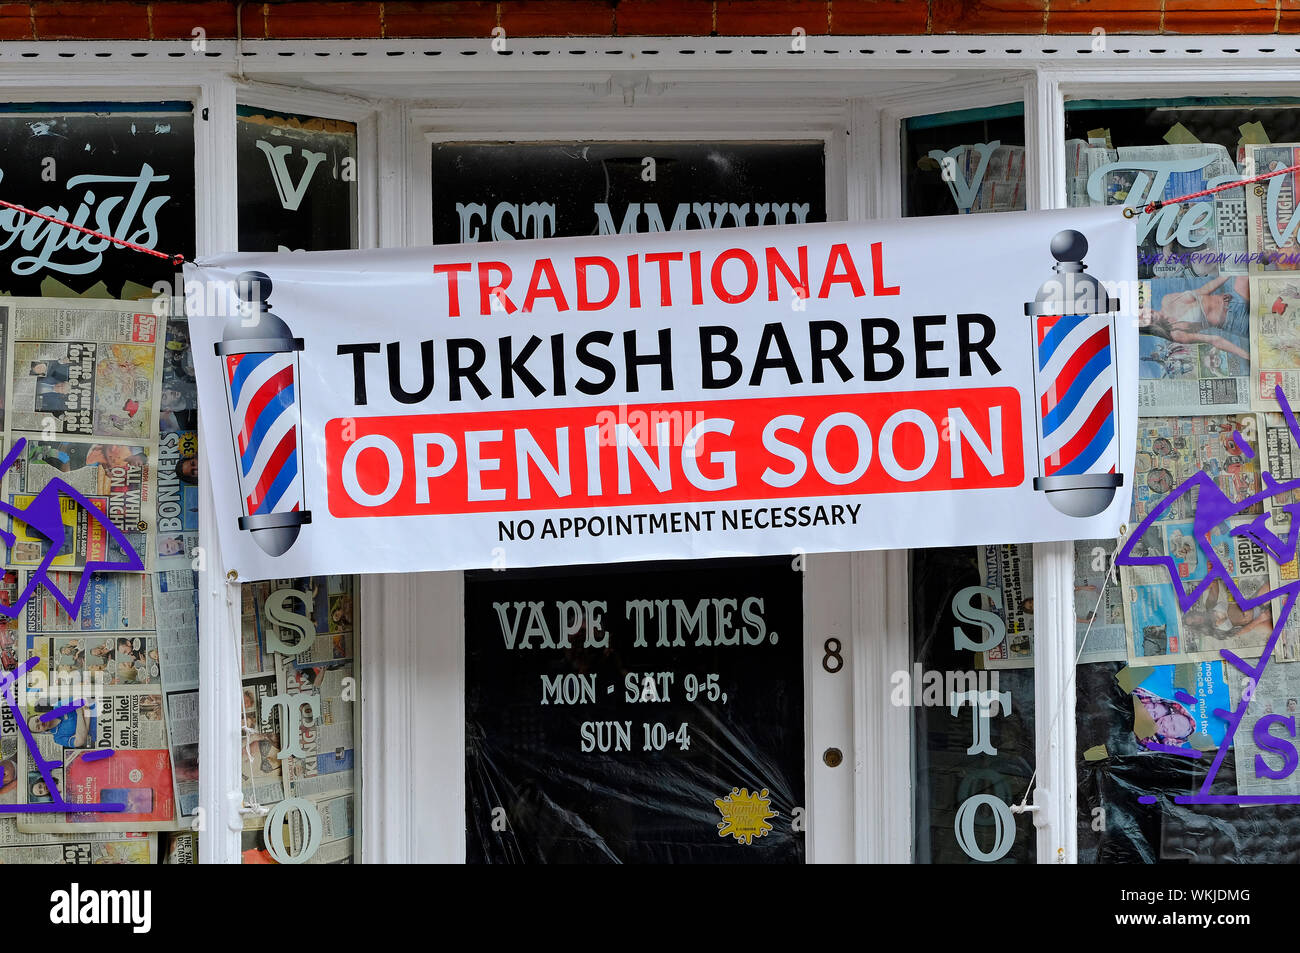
(640,712)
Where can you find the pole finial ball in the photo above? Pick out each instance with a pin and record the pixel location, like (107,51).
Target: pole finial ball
(256,286)
(1069,245)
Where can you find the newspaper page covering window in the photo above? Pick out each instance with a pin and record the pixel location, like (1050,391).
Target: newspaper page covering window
(179,847)
(1003,186)
(99,431)
(1194,345)
(114,602)
(1275,339)
(1276,693)
(1184,243)
(1170,450)
(1160,632)
(176,607)
(1188,364)
(86,847)
(183,742)
(1009,570)
(1271,208)
(83,389)
(262,767)
(137,774)
(1282,460)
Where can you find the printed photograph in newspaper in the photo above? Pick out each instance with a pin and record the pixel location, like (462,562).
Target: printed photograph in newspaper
(1160,717)
(1194,345)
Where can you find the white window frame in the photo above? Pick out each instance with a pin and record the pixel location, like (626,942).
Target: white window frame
(696,87)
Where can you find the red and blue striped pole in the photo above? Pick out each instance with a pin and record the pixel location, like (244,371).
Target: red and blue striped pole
(260,361)
(1076,384)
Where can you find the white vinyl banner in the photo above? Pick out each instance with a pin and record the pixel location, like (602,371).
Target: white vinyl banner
(827,387)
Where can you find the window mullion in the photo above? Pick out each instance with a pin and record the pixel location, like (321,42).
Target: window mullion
(1056,787)
(220,701)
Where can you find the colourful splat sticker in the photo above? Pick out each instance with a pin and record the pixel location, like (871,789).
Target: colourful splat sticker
(745,815)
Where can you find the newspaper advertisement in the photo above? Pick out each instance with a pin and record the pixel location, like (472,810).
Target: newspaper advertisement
(1275,339)
(1277,693)
(178,499)
(141,779)
(92,369)
(1009,570)
(1194,345)
(1271,208)
(137,774)
(1161,717)
(1160,632)
(85,847)
(1172,449)
(117,478)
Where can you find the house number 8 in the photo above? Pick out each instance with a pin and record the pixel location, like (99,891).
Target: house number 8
(832,661)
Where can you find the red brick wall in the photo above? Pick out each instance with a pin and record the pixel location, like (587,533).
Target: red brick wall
(294,19)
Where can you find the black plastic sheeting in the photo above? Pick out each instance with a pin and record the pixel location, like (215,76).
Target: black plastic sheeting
(1115,828)
(532,794)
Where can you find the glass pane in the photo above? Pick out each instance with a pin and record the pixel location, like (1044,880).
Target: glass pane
(971,685)
(299,722)
(681,749)
(100,390)
(959,163)
(1211,293)
(123,169)
(298,191)
(638,713)
(970,764)
(297,182)
(490,192)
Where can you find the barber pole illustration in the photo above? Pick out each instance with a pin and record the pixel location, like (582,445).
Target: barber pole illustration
(260,363)
(1075,383)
